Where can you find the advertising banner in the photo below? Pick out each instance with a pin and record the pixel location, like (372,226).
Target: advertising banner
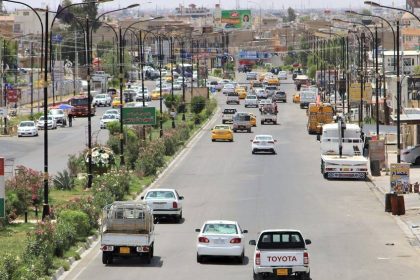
(13,95)
(355,92)
(400,177)
(236,19)
(377,151)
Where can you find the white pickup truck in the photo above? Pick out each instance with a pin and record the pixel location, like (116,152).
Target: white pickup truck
(127,230)
(281,253)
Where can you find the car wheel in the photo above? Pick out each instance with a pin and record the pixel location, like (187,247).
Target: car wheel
(241,258)
(107,258)
(199,258)
(213,140)
(257,276)
(249,130)
(305,276)
(19,136)
(178,218)
(253,152)
(417,161)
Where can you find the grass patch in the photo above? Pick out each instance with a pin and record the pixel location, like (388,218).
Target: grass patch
(13,237)
(59,197)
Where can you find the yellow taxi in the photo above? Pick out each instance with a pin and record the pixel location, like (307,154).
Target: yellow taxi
(168,79)
(241,92)
(116,102)
(296,97)
(273,81)
(222,132)
(253,119)
(155,95)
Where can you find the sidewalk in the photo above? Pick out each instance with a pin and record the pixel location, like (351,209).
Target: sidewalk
(411,219)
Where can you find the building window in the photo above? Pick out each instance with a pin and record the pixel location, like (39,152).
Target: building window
(16,28)
(26,13)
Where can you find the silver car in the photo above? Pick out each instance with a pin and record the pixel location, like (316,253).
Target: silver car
(251,101)
(263,143)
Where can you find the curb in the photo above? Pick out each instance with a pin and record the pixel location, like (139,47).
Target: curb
(86,246)
(410,230)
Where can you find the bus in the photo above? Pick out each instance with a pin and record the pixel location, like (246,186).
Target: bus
(188,69)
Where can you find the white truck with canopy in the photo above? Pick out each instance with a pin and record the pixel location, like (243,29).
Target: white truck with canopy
(308,95)
(127,230)
(281,253)
(342,151)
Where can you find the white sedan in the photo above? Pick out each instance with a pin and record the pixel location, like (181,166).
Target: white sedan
(221,238)
(165,203)
(263,143)
(27,128)
(51,123)
(107,118)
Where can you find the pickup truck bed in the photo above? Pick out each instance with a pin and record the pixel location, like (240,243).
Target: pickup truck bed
(334,166)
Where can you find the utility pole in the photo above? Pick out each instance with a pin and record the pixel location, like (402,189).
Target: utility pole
(377,82)
(398,95)
(31,79)
(88,64)
(362,47)
(76,58)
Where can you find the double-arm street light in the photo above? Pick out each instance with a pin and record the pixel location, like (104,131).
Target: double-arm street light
(374,4)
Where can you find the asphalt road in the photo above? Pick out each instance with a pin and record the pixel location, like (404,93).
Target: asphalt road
(62,142)
(344,219)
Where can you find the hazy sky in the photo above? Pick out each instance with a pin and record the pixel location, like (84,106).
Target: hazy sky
(226,4)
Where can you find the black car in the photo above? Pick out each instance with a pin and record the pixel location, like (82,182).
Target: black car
(244,68)
(279,96)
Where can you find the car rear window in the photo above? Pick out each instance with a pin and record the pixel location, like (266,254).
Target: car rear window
(281,240)
(229,111)
(220,229)
(160,195)
(270,88)
(251,97)
(232,94)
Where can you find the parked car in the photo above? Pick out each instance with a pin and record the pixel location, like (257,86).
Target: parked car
(263,143)
(51,123)
(165,203)
(411,155)
(59,116)
(220,238)
(27,128)
(107,118)
(102,100)
(112,112)
(228,88)
(139,95)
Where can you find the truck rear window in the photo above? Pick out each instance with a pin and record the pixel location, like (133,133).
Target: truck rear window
(229,111)
(281,240)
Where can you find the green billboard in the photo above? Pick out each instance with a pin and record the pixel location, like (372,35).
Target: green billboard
(236,19)
(139,116)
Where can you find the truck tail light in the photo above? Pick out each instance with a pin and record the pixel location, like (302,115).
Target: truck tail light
(306,258)
(236,240)
(174,204)
(329,169)
(257,258)
(203,239)
(107,248)
(256,142)
(270,142)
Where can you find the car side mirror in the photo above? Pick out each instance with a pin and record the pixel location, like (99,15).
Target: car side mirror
(318,137)
(252,242)
(308,241)
(250,140)
(275,140)
(181,198)
(142,197)
(245,231)
(197,230)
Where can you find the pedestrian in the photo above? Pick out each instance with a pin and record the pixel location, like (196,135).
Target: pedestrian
(70,116)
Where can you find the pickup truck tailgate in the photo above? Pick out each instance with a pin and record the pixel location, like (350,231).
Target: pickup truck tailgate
(281,258)
(125,239)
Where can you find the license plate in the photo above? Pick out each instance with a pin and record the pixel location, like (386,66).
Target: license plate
(282,272)
(219,241)
(346,169)
(124,250)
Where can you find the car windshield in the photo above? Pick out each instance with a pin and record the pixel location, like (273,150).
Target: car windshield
(229,111)
(109,117)
(115,112)
(100,96)
(264,138)
(229,86)
(281,240)
(270,88)
(79,101)
(26,124)
(160,195)
(220,229)
(56,112)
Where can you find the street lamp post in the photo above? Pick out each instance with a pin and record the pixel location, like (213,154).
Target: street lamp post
(374,4)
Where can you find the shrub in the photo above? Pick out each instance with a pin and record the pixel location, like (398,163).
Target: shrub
(39,249)
(78,219)
(24,189)
(86,205)
(63,181)
(76,164)
(210,107)
(110,187)
(151,157)
(64,237)
(172,101)
(171,141)
(197,104)
(8,265)
(114,128)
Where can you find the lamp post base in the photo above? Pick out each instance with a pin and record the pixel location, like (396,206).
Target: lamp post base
(183,117)
(122,161)
(173,123)
(45,211)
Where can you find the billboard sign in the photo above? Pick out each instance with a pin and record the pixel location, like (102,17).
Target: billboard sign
(236,19)
(400,177)
(355,92)
(139,116)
